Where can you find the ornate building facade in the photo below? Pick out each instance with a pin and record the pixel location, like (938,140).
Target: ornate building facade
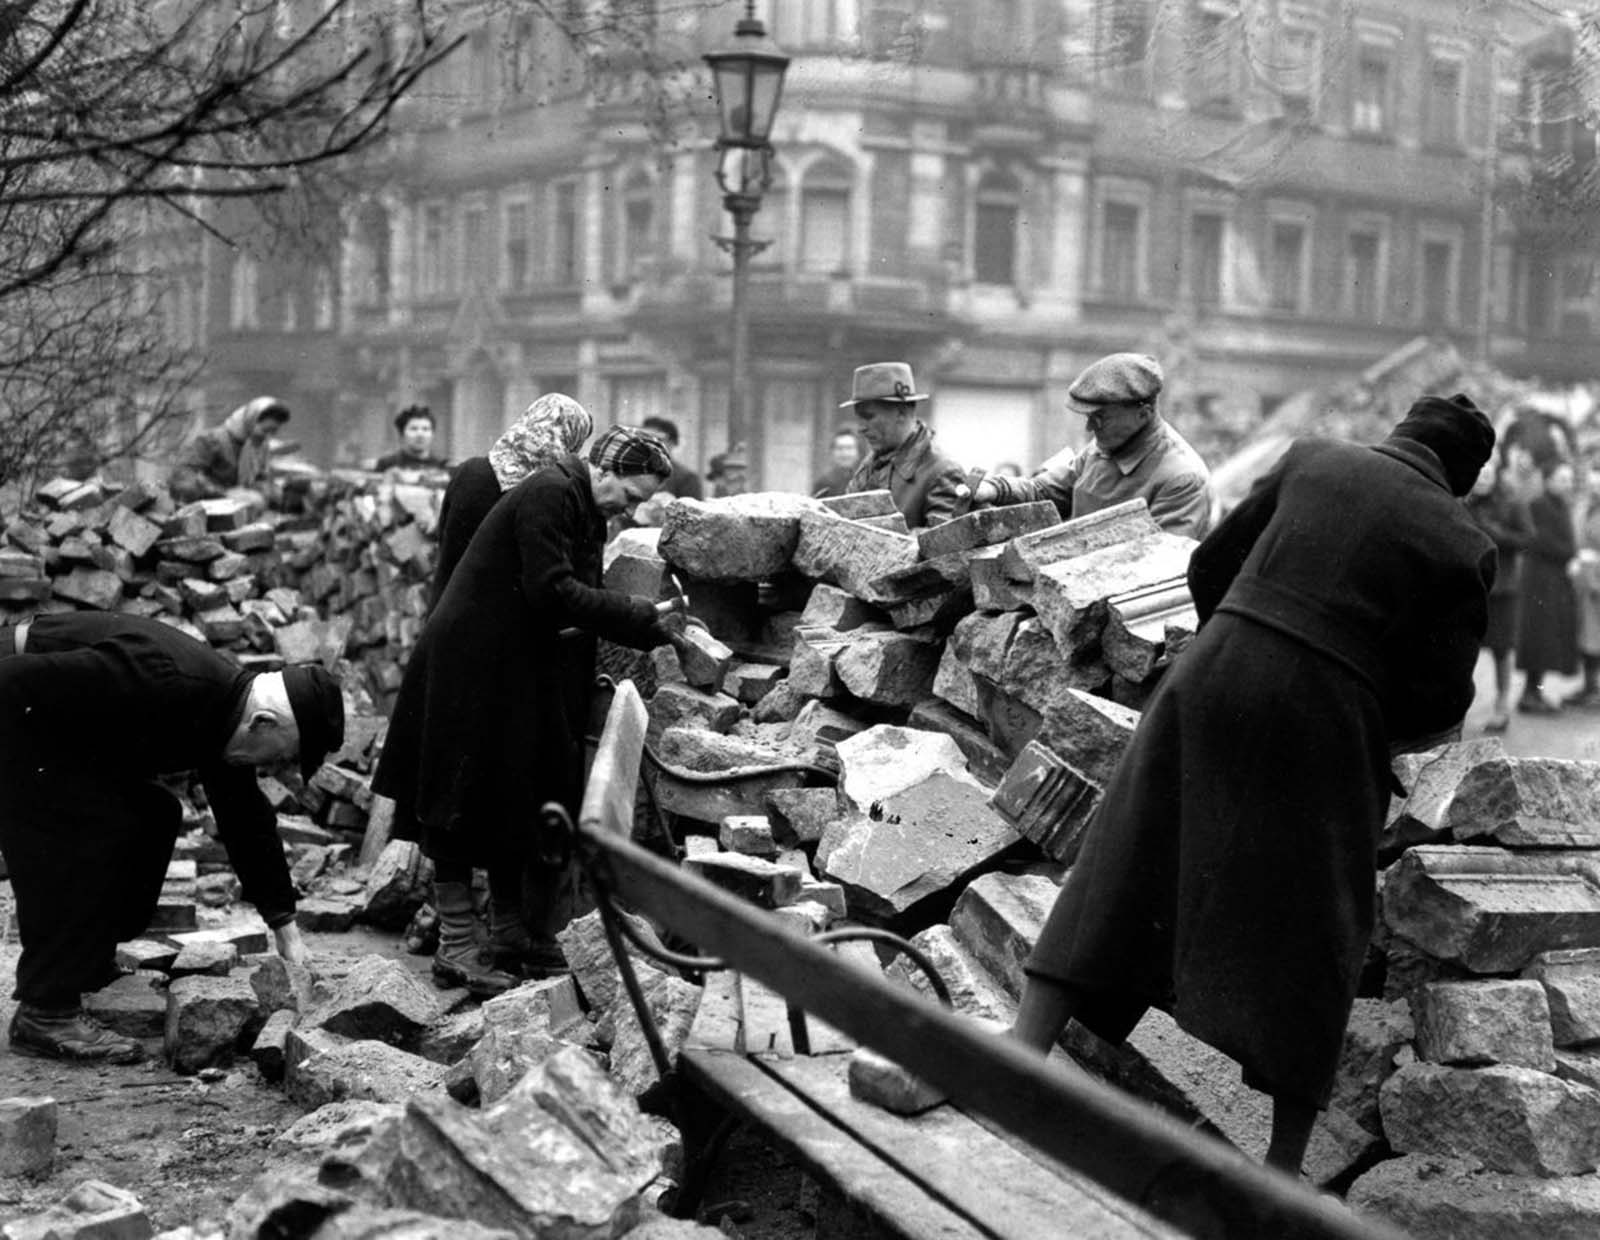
(1267,196)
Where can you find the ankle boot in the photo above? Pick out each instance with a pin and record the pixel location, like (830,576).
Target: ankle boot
(459,961)
(513,948)
(71,1034)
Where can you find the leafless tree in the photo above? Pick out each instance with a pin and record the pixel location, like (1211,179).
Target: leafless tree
(120,119)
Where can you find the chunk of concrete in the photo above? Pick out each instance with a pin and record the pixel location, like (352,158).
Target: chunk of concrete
(27,1136)
(208,1019)
(366,1070)
(737,538)
(521,1030)
(673,1003)
(750,834)
(973,992)
(268,1050)
(984,527)
(954,683)
(1026,555)
(749,683)
(208,959)
(1432,1197)
(885,760)
(93,1210)
(1528,803)
(849,554)
(829,607)
(378,998)
(997,920)
(813,660)
(1472,1024)
(1571,981)
(985,759)
(705,660)
(1431,779)
(1508,1118)
(889,669)
(1070,596)
(799,816)
(673,704)
(401,882)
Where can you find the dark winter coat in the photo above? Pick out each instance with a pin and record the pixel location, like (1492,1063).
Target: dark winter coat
(1548,636)
(489,723)
(1505,519)
(471,492)
(922,479)
(1229,875)
(98,707)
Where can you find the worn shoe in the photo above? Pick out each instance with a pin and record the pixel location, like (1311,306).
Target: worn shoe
(482,980)
(1534,705)
(1498,723)
(1584,699)
(69,1034)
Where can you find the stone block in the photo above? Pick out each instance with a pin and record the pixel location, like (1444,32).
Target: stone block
(521,1030)
(401,882)
(674,705)
(954,683)
(798,816)
(589,958)
(92,587)
(208,1019)
(1525,803)
(315,641)
(981,641)
(248,539)
(829,896)
(859,505)
(205,960)
(1047,801)
(818,727)
(888,669)
(883,760)
(1508,1118)
(1430,1197)
(641,575)
(1374,1037)
(737,538)
(226,567)
(133,533)
(812,663)
(141,954)
(673,1004)
(752,878)
(985,759)
(879,1081)
(340,1070)
(929,838)
(1139,624)
(27,1136)
(378,998)
(705,660)
(327,914)
(1026,555)
(243,929)
(985,527)
(992,587)
(780,705)
(230,512)
(1571,981)
(1431,779)
(750,834)
(93,1210)
(696,749)
(1487,909)
(997,920)
(189,549)
(1471,1024)
(1070,596)
(267,1051)
(972,991)
(133,1005)
(849,554)
(748,683)
(829,607)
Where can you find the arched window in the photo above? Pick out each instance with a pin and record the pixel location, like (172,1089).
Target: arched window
(825,218)
(370,275)
(638,232)
(994,238)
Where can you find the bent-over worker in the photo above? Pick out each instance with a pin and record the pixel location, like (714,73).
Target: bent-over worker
(1228,876)
(93,708)
(1133,453)
(490,719)
(233,454)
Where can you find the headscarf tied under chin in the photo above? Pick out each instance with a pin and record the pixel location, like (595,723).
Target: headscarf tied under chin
(1456,431)
(553,426)
(239,424)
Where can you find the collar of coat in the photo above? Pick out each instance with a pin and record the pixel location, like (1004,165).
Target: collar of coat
(905,459)
(1420,457)
(1133,453)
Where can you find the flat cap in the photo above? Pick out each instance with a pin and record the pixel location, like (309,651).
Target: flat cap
(1118,379)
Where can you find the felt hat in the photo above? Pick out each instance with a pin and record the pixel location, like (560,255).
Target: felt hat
(1118,379)
(889,381)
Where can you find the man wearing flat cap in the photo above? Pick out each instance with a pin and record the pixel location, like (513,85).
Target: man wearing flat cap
(902,459)
(94,708)
(1228,876)
(1133,454)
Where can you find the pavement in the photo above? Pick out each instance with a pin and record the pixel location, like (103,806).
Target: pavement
(1571,734)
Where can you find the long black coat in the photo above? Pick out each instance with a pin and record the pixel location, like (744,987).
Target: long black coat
(1547,640)
(1228,877)
(99,707)
(471,492)
(489,722)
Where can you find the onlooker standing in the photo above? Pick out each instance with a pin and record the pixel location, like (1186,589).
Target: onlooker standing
(1501,515)
(551,427)
(231,455)
(926,484)
(1586,585)
(416,427)
(684,483)
(844,454)
(1547,640)
(729,472)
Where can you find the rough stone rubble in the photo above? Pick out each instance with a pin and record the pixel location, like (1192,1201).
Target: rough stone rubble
(912,730)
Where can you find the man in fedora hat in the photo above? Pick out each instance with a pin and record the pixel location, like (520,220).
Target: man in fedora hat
(1132,454)
(94,708)
(902,459)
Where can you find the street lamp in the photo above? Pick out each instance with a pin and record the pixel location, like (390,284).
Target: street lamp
(748,79)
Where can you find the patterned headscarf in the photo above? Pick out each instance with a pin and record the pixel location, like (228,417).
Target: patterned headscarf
(627,453)
(552,426)
(252,459)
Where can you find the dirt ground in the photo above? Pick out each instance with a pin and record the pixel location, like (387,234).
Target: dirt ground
(187,1147)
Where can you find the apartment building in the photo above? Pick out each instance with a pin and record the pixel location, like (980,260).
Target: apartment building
(1266,196)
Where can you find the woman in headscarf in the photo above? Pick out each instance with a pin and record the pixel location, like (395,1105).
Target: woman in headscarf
(231,455)
(490,719)
(551,427)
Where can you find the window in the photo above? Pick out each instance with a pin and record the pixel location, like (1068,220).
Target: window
(520,42)
(1119,251)
(1503,285)
(322,300)
(889,30)
(1443,107)
(1205,257)
(369,283)
(289,308)
(244,295)
(1287,276)
(1122,38)
(516,267)
(1363,274)
(1211,64)
(432,262)
(805,25)
(1577,280)
(994,257)
(1541,294)
(564,233)
(479,79)
(638,227)
(1300,69)
(1370,109)
(1438,283)
(825,219)
(474,242)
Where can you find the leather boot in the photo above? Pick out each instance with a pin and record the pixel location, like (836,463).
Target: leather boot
(71,1034)
(459,961)
(514,949)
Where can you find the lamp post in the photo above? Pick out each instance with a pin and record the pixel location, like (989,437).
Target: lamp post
(748,80)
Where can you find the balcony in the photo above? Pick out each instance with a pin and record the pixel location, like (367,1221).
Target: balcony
(1011,105)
